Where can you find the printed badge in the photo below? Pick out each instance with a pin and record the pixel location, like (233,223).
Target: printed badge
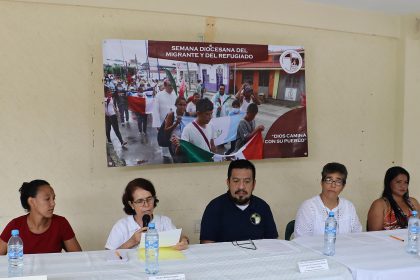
(255,219)
(291,61)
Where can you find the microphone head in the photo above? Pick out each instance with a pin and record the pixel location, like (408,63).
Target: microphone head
(146,219)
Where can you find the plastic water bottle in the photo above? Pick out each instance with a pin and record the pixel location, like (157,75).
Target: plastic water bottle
(15,271)
(330,235)
(413,233)
(151,243)
(15,250)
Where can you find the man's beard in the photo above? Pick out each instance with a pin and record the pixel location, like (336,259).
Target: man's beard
(239,201)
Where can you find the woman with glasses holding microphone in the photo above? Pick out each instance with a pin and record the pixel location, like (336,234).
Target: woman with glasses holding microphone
(311,216)
(139,200)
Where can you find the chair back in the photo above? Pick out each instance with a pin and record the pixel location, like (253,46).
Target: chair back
(290,228)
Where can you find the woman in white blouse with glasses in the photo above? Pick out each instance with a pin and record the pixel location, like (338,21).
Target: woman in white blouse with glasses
(311,216)
(139,199)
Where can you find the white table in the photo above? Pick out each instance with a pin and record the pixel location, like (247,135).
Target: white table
(273,259)
(371,255)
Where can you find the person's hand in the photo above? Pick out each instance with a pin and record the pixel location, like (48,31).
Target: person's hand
(136,237)
(260,127)
(181,245)
(175,141)
(240,94)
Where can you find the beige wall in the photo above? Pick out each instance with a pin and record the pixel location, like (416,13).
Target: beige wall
(410,61)
(52,124)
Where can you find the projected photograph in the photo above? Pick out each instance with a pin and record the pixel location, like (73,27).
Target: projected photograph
(170,102)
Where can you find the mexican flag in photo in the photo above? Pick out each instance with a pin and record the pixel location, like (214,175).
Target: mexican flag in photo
(253,149)
(142,105)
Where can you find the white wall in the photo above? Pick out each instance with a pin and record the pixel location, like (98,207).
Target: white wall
(53,126)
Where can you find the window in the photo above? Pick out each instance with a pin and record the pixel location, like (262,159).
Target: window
(248,77)
(263,78)
(292,81)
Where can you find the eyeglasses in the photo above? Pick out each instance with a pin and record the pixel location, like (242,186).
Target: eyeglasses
(247,244)
(338,182)
(142,201)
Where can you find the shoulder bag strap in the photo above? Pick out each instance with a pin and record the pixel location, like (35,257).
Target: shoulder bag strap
(202,134)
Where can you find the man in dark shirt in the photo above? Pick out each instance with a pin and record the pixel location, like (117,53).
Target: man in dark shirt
(238,215)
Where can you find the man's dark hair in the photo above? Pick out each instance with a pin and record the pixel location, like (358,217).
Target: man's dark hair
(204,105)
(252,108)
(248,89)
(138,183)
(179,99)
(334,167)
(241,164)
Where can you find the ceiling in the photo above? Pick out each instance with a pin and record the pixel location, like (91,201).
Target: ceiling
(394,7)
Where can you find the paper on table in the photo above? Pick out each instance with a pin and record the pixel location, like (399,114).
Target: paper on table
(166,238)
(165,253)
(313,265)
(168,277)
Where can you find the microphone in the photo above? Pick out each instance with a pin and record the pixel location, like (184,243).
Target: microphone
(146,219)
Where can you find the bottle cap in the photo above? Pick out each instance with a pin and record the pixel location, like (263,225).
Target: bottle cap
(151,225)
(15,232)
(331,214)
(414,213)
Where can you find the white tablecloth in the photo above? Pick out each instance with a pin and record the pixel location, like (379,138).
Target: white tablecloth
(371,255)
(273,259)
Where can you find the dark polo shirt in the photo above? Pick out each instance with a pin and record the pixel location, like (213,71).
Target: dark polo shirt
(223,221)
